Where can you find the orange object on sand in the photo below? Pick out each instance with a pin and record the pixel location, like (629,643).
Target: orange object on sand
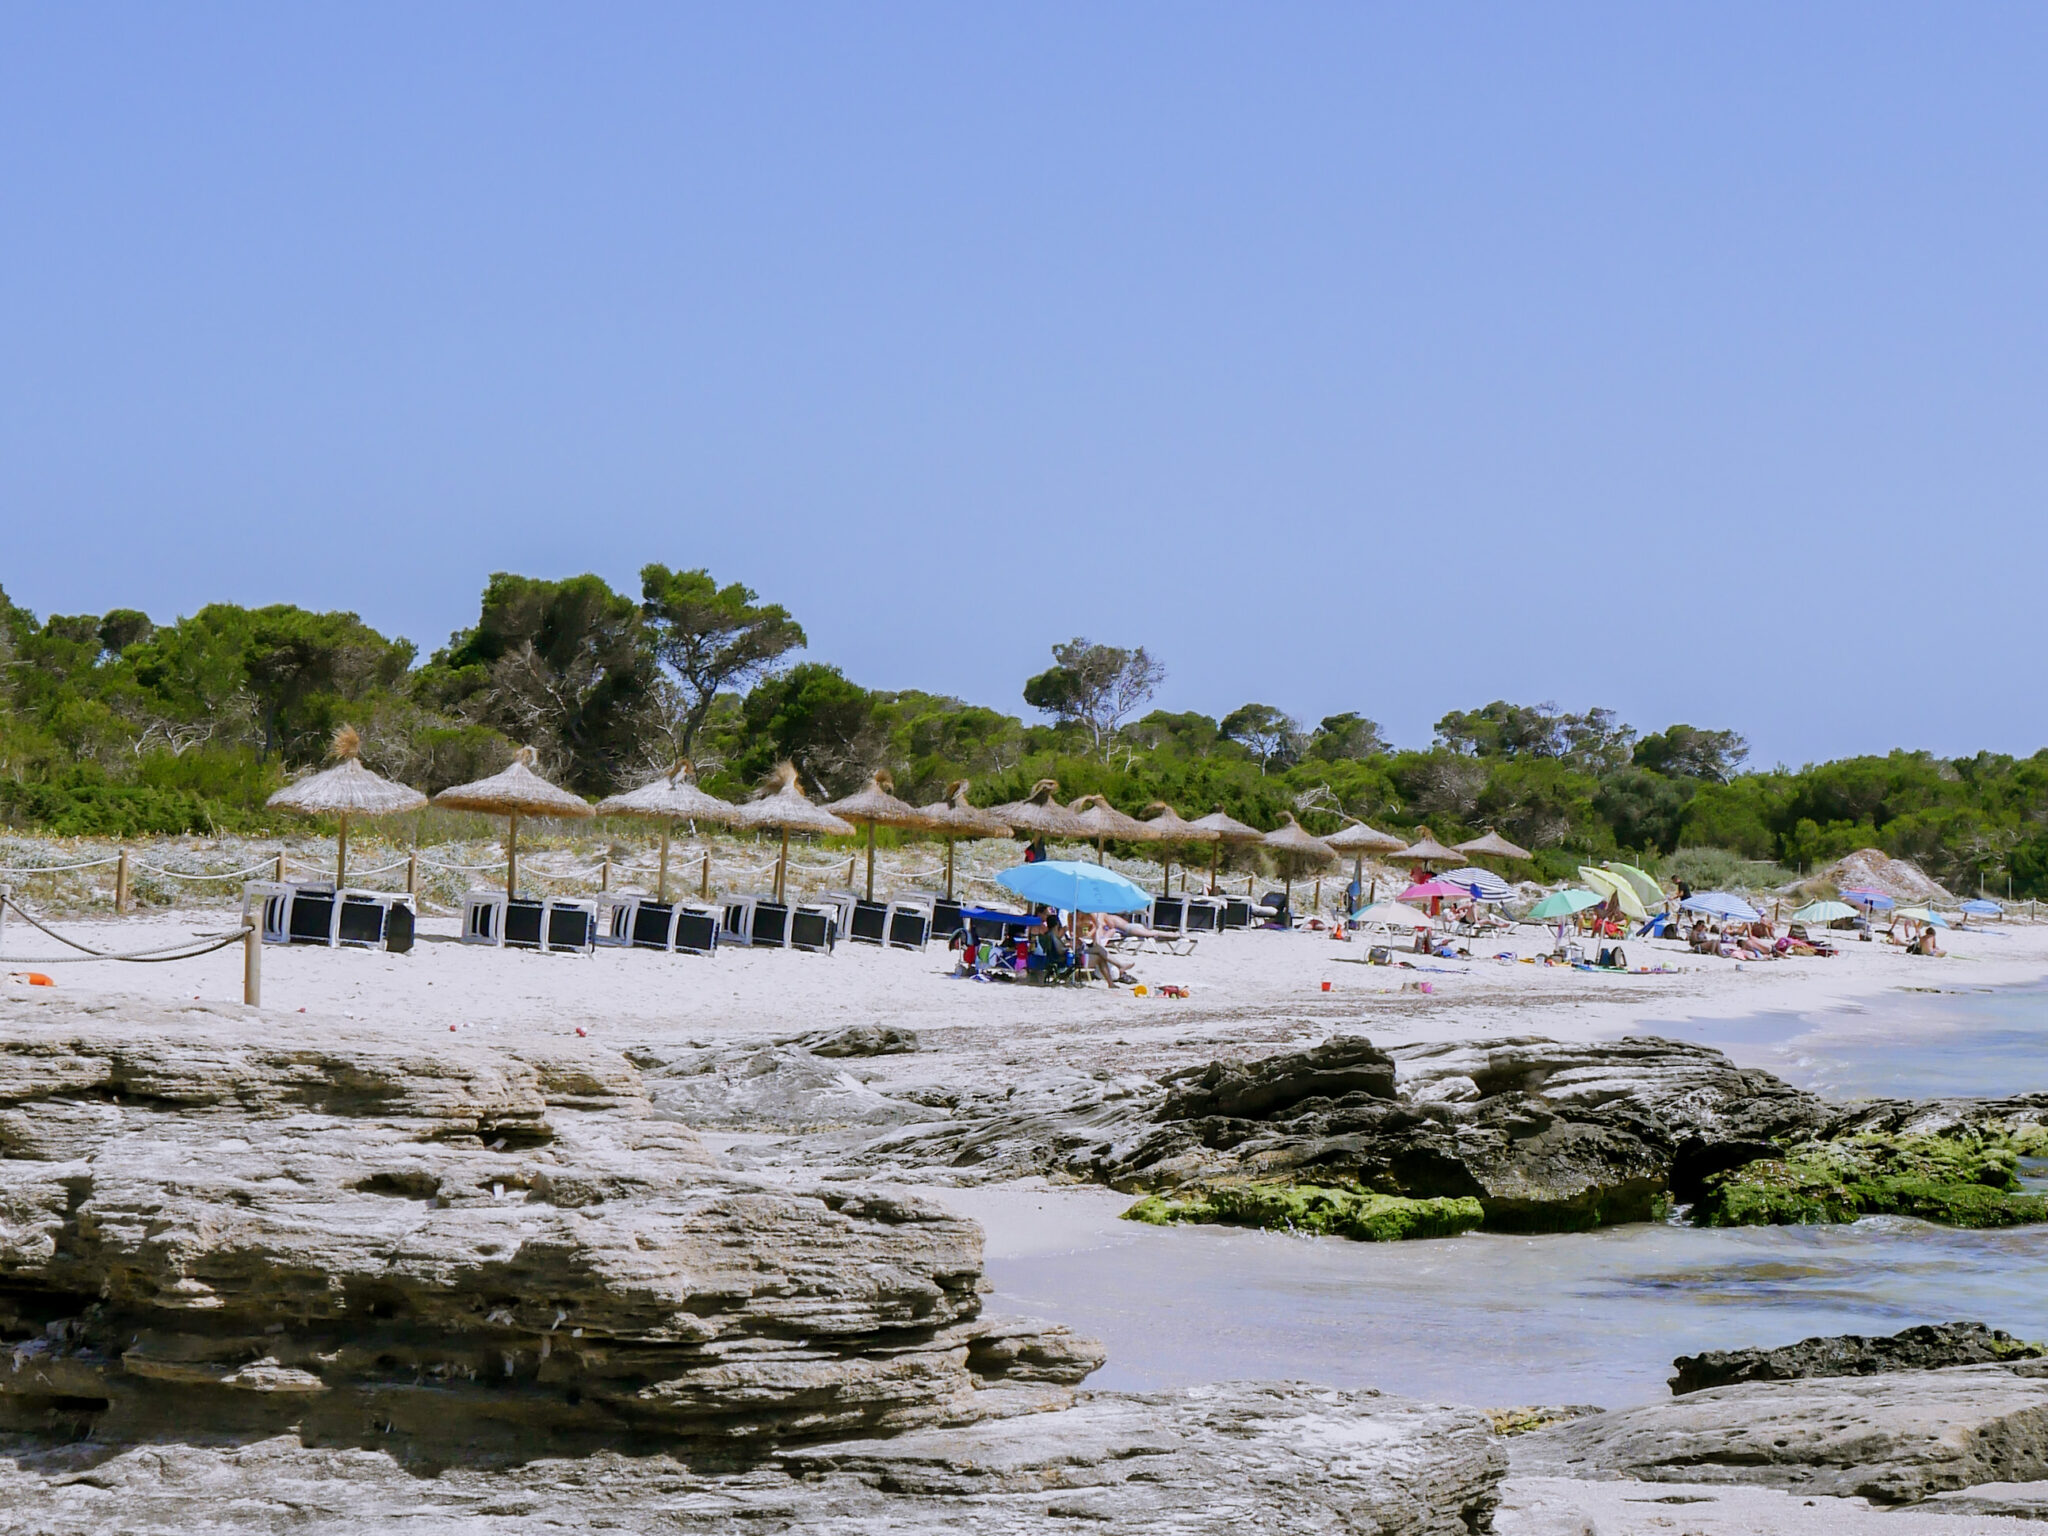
(35,978)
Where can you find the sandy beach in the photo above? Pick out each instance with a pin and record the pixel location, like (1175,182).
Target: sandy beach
(1248,991)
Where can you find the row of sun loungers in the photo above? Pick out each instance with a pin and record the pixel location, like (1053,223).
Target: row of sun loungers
(317,914)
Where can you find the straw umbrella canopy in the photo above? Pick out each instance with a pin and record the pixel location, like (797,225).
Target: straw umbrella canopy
(1358,840)
(516,792)
(783,805)
(1494,844)
(954,818)
(1040,814)
(1169,828)
(671,798)
(347,789)
(1230,833)
(876,805)
(1296,847)
(1426,850)
(1104,821)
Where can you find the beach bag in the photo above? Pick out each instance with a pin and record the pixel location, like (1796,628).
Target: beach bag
(1379,954)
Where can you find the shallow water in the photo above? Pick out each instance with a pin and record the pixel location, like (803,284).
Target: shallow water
(1502,1320)
(1972,1042)
(1593,1318)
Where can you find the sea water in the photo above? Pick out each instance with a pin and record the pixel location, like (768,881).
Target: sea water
(1591,1318)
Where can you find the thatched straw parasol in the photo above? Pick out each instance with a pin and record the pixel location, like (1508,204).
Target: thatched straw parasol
(1040,814)
(1358,840)
(1170,829)
(954,819)
(1496,845)
(1297,849)
(347,789)
(671,798)
(1230,833)
(1426,850)
(877,806)
(784,805)
(1102,821)
(516,792)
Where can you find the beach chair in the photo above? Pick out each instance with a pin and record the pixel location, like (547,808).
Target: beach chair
(739,919)
(525,923)
(768,924)
(1204,914)
(1237,912)
(617,915)
(375,920)
(695,929)
(1170,914)
(569,926)
(814,928)
(868,923)
(947,919)
(483,917)
(909,924)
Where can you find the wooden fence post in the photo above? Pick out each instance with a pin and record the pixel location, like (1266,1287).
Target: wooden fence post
(121,884)
(252,960)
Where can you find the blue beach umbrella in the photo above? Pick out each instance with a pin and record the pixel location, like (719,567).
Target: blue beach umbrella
(1075,887)
(1978,907)
(1722,905)
(1875,901)
(1484,884)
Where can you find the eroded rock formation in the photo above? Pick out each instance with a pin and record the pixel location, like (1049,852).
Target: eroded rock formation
(208,1223)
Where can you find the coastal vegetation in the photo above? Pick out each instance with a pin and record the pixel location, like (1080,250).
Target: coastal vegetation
(1968,1177)
(1319,1210)
(115,724)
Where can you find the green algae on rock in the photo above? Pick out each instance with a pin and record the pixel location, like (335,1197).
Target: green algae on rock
(1319,1209)
(1966,1178)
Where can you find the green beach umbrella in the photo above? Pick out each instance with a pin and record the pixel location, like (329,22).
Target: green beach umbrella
(1823,912)
(1560,905)
(1644,885)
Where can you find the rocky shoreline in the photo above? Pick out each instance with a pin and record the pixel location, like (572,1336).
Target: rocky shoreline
(348,1282)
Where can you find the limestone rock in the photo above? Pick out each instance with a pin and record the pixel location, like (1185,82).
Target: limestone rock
(1545,1135)
(767,1088)
(1893,1439)
(1929,1347)
(220,1222)
(1210,1461)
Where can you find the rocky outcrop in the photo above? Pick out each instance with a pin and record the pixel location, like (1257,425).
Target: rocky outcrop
(1545,1136)
(214,1222)
(1894,1438)
(780,1087)
(1222,1460)
(1930,1347)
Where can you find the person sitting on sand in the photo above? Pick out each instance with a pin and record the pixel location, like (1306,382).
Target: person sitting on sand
(1924,944)
(1099,961)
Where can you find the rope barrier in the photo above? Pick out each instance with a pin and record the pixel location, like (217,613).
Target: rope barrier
(54,869)
(157,956)
(179,874)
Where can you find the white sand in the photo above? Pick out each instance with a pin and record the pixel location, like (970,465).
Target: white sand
(1249,988)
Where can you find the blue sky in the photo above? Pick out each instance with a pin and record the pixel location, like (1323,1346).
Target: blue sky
(1688,362)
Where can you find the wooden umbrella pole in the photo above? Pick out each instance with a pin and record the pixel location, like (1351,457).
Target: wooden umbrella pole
(1166,881)
(782,867)
(661,880)
(949,868)
(512,859)
(871,861)
(341,856)
(704,880)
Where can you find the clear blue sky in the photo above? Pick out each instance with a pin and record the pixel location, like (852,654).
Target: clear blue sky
(1349,357)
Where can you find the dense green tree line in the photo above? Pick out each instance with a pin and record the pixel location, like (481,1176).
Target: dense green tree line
(112,724)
